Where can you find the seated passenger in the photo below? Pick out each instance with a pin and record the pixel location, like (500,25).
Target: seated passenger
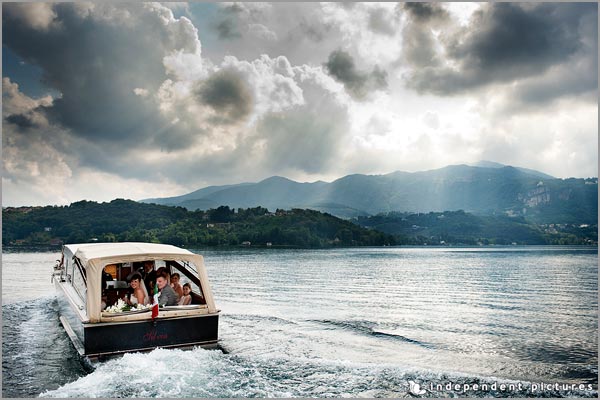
(164,271)
(167,296)
(176,285)
(105,278)
(140,294)
(187,296)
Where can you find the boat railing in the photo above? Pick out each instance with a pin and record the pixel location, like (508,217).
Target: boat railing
(190,266)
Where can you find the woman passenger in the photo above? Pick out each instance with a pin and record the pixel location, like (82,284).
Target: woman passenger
(176,285)
(140,294)
(187,297)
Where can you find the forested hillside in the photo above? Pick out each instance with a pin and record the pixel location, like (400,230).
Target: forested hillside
(459,227)
(126,220)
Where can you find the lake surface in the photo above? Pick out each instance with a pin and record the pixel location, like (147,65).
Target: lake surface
(345,322)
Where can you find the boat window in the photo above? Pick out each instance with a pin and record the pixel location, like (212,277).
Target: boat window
(70,265)
(114,282)
(188,274)
(79,282)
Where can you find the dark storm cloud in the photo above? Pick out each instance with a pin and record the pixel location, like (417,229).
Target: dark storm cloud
(96,64)
(510,36)
(359,84)
(504,42)
(424,12)
(95,56)
(228,94)
(21,120)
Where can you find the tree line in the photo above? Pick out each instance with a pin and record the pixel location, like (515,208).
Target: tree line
(462,228)
(125,220)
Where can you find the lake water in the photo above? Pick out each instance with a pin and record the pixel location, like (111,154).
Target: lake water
(345,322)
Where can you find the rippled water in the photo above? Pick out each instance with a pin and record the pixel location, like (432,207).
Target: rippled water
(347,322)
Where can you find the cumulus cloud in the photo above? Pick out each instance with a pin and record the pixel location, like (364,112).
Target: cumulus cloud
(106,62)
(38,16)
(306,138)
(31,146)
(233,96)
(359,84)
(306,33)
(240,19)
(419,43)
(97,78)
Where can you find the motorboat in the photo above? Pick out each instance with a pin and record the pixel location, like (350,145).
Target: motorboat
(92,281)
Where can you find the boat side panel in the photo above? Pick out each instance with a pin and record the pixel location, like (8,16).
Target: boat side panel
(130,336)
(66,310)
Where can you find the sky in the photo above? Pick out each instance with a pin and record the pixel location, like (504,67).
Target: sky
(139,100)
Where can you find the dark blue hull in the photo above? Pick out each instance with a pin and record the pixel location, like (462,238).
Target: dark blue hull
(118,337)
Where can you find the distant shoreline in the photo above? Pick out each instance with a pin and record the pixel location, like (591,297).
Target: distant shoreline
(128,221)
(52,248)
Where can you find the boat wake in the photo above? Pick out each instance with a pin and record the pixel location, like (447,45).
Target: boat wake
(37,354)
(264,356)
(210,373)
(371,329)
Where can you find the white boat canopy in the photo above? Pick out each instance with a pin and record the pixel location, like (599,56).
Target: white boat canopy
(95,256)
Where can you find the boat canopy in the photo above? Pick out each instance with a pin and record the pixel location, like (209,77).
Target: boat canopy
(95,256)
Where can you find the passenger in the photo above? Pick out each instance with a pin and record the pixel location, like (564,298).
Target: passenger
(104,295)
(176,285)
(149,275)
(167,296)
(187,296)
(164,271)
(106,277)
(140,294)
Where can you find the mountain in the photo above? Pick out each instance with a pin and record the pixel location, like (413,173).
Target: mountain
(491,164)
(489,189)
(196,195)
